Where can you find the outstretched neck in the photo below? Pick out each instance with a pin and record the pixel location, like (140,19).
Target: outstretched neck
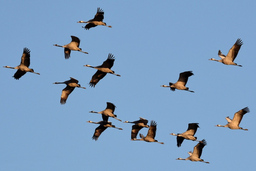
(57,45)
(89,66)
(10,67)
(95,112)
(59,83)
(221,125)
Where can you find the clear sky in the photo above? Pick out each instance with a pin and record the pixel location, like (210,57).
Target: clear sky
(153,42)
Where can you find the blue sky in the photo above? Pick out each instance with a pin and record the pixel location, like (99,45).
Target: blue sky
(152,42)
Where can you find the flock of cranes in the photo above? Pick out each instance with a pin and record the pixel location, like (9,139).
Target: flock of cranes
(105,68)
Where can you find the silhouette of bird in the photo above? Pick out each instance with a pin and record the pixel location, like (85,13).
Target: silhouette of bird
(71,85)
(102,127)
(73,45)
(108,112)
(195,156)
(181,83)
(234,123)
(102,70)
(189,134)
(151,134)
(24,64)
(231,56)
(138,125)
(97,20)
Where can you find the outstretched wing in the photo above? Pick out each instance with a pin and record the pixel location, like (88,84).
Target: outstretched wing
(89,25)
(239,115)
(75,40)
(99,16)
(111,106)
(192,128)
(234,50)
(109,62)
(199,148)
(97,77)
(65,93)
(67,52)
(135,131)
(73,80)
(152,130)
(19,74)
(183,78)
(98,131)
(179,140)
(25,58)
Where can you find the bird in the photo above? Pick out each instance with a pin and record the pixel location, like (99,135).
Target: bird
(71,85)
(197,152)
(234,123)
(73,45)
(231,56)
(108,112)
(102,127)
(189,134)
(181,83)
(138,125)
(102,70)
(24,64)
(97,20)
(151,134)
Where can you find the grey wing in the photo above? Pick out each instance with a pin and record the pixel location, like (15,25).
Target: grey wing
(76,40)
(183,78)
(65,93)
(19,74)
(234,50)
(135,131)
(25,58)
(98,132)
(67,53)
(238,116)
(179,140)
(152,130)
(96,78)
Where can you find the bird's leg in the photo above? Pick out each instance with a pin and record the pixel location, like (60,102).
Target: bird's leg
(118,128)
(116,74)
(243,129)
(117,119)
(189,90)
(205,161)
(83,51)
(81,87)
(35,72)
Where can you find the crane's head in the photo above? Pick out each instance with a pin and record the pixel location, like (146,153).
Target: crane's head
(219,125)
(81,22)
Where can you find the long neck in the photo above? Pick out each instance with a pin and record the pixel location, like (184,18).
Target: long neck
(59,83)
(95,112)
(127,122)
(10,67)
(57,45)
(89,66)
(222,125)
